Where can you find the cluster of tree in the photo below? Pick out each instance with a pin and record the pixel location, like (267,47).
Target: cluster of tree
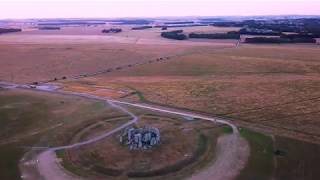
(302,25)
(9,30)
(177,31)
(278,26)
(49,28)
(164,28)
(112,30)
(180,25)
(254,31)
(312,26)
(228,24)
(65,23)
(287,25)
(279,40)
(181,22)
(130,21)
(229,35)
(212,19)
(177,35)
(141,27)
(300,35)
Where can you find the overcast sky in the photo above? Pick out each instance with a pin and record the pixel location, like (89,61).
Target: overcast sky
(153,8)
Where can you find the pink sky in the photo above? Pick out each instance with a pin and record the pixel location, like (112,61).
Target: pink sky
(153,8)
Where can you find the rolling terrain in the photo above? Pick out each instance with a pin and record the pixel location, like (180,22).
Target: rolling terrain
(261,104)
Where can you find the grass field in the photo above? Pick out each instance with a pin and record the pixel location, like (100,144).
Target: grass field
(274,89)
(301,160)
(29,118)
(266,86)
(42,61)
(260,164)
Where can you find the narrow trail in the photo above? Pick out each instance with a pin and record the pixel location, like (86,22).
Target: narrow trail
(46,162)
(232,151)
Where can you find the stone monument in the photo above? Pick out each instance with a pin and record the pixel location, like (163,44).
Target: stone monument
(140,138)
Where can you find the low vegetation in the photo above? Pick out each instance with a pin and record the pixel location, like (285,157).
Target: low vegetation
(260,164)
(299,160)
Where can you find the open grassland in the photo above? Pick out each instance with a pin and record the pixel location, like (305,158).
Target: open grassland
(298,159)
(37,55)
(36,62)
(29,118)
(261,161)
(153,33)
(264,86)
(301,160)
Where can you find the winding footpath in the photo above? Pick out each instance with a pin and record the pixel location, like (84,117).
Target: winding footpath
(232,151)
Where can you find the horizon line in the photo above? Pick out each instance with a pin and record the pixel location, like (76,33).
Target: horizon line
(153,17)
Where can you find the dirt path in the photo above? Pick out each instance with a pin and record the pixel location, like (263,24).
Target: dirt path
(231,154)
(232,151)
(49,168)
(46,163)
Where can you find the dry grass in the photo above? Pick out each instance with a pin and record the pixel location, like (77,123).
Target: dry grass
(273,87)
(153,33)
(35,62)
(36,55)
(30,118)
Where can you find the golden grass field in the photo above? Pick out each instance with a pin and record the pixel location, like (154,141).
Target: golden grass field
(275,88)
(36,55)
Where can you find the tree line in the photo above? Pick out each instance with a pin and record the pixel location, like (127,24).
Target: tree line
(279,40)
(9,30)
(141,27)
(112,30)
(229,35)
(177,35)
